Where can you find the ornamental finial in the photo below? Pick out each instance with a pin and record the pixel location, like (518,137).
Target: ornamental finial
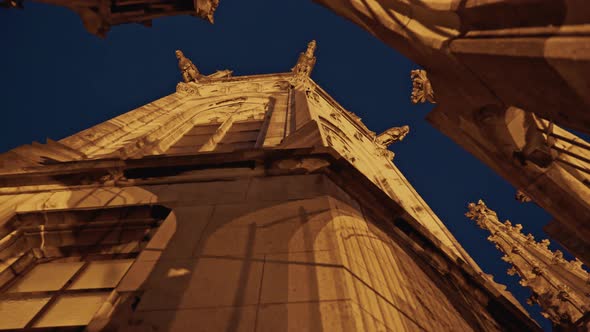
(485,218)
(305,63)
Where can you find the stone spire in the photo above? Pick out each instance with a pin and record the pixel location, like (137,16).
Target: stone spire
(560,287)
(305,63)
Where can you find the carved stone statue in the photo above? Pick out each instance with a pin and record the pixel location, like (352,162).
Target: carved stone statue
(188,70)
(421,87)
(392,135)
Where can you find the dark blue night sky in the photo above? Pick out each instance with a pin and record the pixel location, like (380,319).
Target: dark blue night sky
(56,79)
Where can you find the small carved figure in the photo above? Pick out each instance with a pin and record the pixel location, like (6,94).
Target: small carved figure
(392,135)
(421,87)
(188,70)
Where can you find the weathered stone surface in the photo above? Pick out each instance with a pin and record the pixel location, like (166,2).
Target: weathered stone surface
(485,59)
(282,212)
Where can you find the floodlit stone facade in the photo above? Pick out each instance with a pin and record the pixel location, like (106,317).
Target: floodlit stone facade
(509,77)
(252,203)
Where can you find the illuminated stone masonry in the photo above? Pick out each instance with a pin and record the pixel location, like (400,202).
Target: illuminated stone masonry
(251,203)
(560,287)
(511,78)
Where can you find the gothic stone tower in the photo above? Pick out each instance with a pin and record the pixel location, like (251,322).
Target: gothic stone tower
(252,203)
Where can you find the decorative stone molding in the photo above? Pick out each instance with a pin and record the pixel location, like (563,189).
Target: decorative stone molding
(335,116)
(421,87)
(560,287)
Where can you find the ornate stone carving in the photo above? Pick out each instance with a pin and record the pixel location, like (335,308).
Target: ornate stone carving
(305,64)
(187,88)
(329,141)
(421,87)
(188,70)
(335,116)
(392,135)
(559,287)
(388,137)
(522,197)
(314,96)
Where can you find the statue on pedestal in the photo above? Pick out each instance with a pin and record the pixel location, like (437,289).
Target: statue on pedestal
(189,71)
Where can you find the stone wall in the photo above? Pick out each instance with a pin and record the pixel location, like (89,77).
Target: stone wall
(272,254)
